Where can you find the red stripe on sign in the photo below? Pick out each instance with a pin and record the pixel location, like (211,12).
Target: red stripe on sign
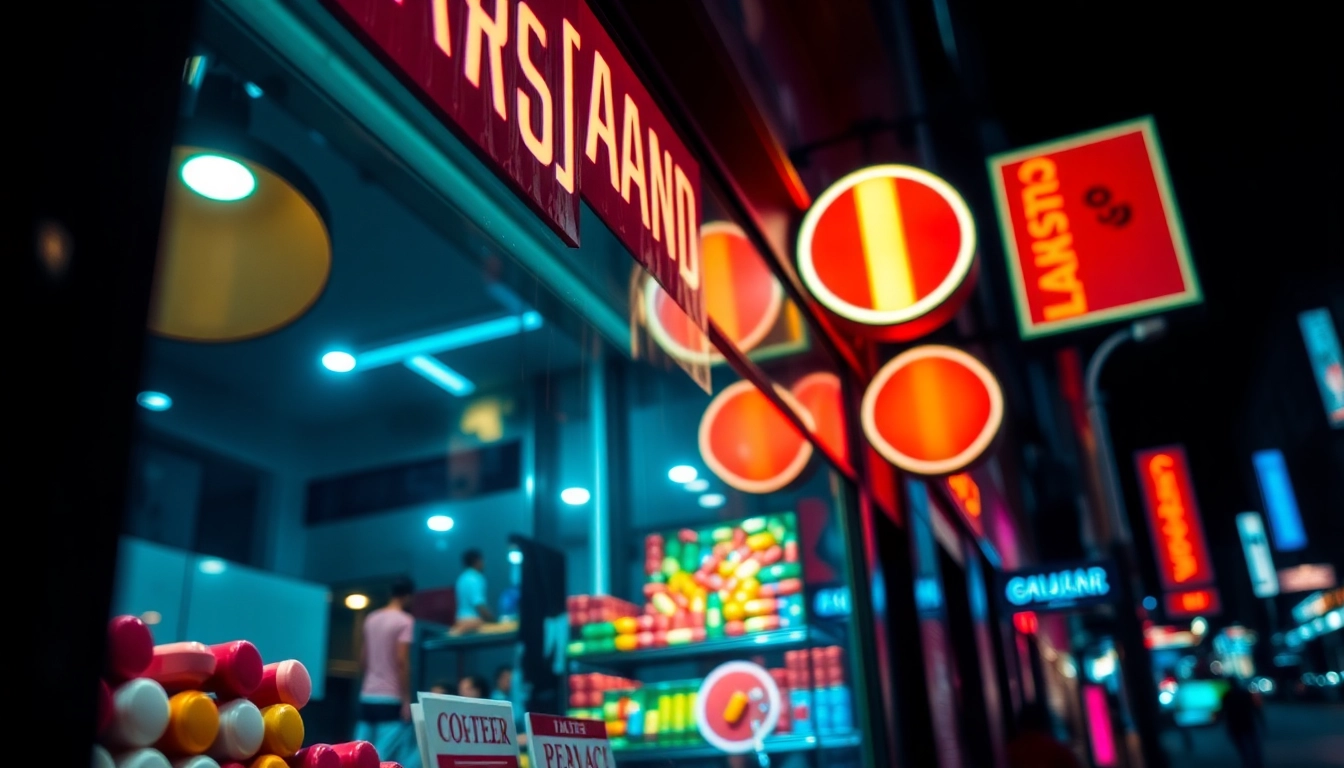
(567,727)
(477,761)
(932,234)
(837,252)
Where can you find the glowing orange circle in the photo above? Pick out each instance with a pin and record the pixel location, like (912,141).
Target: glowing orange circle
(890,249)
(742,297)
(821,395)
(749,444)
(932,410)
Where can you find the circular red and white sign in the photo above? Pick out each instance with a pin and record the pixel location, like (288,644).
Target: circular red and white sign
(932,410)
(821,395)
(742,297)
(749,444)
(889,248)
(721,697)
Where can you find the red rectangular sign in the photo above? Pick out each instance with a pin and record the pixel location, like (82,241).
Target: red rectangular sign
(541,92)
(1173,518)
(1194,602)
(1091,230)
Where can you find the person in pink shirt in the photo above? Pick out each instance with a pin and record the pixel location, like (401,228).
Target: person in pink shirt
(385,693)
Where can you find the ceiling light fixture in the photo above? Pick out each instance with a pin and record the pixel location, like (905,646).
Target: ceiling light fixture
(154,401)
(682,473)
(712,500)
(356,602)
(218,178)
(212,565)
(516,556)
(455,338)
(440,374)
(575,496)
(440,523)
(338,361)
(698,485)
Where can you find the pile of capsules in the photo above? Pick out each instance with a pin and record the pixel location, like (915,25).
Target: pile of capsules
(191,705)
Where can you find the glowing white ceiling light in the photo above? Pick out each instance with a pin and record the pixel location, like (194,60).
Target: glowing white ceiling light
(154,401)
(516,556)
(698,485)
(575,496)
(440,523)
(712,500)
(338,361)
(212,566)
(356,602)
(682,474)
(218,178)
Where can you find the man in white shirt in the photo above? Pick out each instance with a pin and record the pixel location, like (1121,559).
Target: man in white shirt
(473,607)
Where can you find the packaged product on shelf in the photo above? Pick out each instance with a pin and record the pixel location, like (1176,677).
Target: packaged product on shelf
(821,707)
(781,678)
(800,692)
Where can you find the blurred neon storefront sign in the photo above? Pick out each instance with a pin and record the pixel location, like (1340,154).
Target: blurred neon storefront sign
(1173,518)
(1259,561)
(1276,488)
(1327,362)
(1058,587)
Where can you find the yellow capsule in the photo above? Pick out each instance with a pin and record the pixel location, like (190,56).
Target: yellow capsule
(759,542)
(736,708)
(748,569)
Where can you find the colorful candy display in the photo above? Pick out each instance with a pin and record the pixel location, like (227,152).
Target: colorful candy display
(724,581)
(226,707)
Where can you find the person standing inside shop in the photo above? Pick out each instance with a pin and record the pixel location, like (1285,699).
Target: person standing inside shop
(385,692)
(473,607)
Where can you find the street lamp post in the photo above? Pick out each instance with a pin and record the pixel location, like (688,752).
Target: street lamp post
(1136,667)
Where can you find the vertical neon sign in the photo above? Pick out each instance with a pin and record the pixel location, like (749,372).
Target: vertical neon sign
(1327,362)
(1276,488)
(1099,725)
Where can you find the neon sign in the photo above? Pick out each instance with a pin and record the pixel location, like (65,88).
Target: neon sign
(1059,587)
(1276,488)
(1195,602)
(1173,518)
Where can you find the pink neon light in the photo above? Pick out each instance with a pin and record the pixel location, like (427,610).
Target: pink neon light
(1099,723)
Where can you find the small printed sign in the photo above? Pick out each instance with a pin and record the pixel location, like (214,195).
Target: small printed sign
(457,732)
(567,742)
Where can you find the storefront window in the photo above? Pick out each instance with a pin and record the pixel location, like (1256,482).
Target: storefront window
(362,392)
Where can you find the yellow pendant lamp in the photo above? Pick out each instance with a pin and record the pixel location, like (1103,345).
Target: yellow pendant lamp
(245,248)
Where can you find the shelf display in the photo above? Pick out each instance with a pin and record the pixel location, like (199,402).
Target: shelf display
(207,705)
(722,581)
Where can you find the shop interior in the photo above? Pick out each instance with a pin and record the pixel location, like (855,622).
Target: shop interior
(348,381)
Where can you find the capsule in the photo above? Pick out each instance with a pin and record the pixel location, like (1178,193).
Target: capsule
(759,542)
(664,604)
(722,533)
(626,642)
(783,587)
(771,555)
(644,640)
(761,623)
(736,708)
(679,636)
(734,628)
(748,569)
(626,625)
(760,606)
(790,551)
(753,525)
(686,536)
(653,541)
(732,611)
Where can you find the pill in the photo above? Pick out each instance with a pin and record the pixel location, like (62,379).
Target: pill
(736,708)
(687,536)
(734,628)
(664,604)
(753,525)
(759,542)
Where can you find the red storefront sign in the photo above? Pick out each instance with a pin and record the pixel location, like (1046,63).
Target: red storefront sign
(539,90)
(890,249)
(932,410)
(1173,518)
(1091,230)
(1193,602)
(749,444)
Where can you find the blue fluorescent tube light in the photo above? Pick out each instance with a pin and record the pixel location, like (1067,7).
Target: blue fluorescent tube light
(441,375)
(457,338)
(1276,488)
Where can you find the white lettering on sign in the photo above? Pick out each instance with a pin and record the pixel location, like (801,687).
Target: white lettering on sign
(1058,586)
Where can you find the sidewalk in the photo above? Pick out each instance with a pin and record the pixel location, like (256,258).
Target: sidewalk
(1298,736)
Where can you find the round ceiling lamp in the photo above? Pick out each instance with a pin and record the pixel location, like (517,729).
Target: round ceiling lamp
(245,247)
(742,297)
(749,444)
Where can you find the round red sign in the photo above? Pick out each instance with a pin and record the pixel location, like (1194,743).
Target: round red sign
(932,410)
(749,444)
(891,249)
(820,395)
(738,705)
(742,297)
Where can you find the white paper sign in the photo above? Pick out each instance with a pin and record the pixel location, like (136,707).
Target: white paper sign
(458,732)
(567,742)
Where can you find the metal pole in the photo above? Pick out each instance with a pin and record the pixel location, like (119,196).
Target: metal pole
(1136,666)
